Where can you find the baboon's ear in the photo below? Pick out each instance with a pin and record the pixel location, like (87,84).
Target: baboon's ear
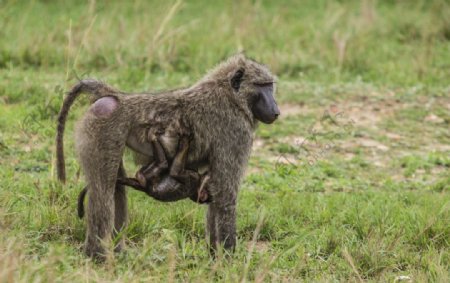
(237,79)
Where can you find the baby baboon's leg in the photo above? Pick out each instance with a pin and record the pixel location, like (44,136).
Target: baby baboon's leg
(121,208)
(177,169)
(131,182)
(202,193)
(194,184)
(154,170)
(189,178)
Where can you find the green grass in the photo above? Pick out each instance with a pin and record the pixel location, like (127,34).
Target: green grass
(363,196)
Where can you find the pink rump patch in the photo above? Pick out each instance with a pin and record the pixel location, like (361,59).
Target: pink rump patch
(104,107)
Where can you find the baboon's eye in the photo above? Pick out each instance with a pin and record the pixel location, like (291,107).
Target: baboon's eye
(237,79)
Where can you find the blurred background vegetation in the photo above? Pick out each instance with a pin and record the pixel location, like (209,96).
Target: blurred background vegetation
(389,42)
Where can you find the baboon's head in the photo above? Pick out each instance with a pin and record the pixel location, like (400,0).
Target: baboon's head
(252,84)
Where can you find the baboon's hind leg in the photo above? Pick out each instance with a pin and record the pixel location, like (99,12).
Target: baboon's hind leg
(101,202)
(100,159)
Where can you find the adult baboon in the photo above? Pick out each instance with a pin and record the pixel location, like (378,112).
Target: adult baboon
(221,112)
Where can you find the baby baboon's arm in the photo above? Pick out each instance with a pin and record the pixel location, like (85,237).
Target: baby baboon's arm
(153,171)
(178,171)
(192,180)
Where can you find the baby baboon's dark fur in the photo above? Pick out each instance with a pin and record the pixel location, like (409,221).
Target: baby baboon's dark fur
(221,111)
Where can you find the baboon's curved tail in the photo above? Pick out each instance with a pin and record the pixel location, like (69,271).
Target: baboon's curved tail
(97,89)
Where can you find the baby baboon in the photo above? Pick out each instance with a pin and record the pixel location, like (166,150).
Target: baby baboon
(179,183)
(221,112)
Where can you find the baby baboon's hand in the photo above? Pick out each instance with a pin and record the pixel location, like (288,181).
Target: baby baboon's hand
(140,177)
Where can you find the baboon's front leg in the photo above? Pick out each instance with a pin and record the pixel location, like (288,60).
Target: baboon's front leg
(225,171)
(221,224)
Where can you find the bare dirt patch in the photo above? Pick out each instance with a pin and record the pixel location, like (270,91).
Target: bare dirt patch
(260,246)
(366,112)
(291,109)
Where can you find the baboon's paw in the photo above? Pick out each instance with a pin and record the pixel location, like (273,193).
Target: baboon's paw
(97,253)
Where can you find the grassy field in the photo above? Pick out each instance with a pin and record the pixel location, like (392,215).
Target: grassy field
(351,184)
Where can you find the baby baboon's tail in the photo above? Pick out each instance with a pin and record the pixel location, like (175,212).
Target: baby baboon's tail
(80,205)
